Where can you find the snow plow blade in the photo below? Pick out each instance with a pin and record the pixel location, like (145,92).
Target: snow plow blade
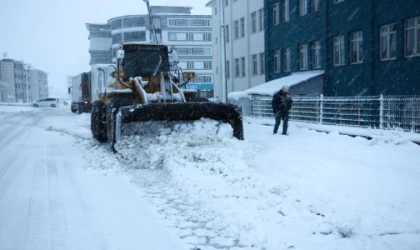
(191,111)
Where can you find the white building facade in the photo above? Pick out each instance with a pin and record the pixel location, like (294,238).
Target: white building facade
(244,39)
(190,35)
(39,84)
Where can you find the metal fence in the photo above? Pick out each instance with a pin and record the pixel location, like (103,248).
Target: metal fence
(385,112)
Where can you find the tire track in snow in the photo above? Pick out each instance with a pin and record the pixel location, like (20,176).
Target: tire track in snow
(37,234)
(84,213)
(58,224)
(13,136)
(13,224)
(6,167)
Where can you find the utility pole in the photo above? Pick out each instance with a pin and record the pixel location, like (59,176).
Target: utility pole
(223,50)
(151,20)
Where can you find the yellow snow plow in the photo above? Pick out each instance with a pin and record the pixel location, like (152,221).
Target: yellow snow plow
(143,88)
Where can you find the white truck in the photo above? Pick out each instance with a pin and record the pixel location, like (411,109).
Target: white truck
(86,86)
(81,93)
(100,76)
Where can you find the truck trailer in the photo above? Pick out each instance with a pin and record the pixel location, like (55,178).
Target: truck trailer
(81,93)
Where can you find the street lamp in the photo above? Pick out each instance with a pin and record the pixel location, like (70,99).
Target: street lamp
(223,51)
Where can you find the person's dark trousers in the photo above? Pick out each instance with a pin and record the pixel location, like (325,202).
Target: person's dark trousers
(285,118)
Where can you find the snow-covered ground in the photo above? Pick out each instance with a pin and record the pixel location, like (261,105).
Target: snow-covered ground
(308,190)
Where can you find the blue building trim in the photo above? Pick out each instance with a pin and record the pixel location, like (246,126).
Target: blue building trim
(371,77)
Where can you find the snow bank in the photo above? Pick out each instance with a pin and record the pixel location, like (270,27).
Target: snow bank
(237,95)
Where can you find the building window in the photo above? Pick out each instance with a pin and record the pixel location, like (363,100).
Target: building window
(227,33)
(315,5)
(262,63)
(156,23)
(339,50)
(303,56)
(117,39)
(215,11)
(243,67)
(171,36)
(226,3)
(117,24)
(356,47)
(285,11)
(227,69)
(254,65)
(275,14)
(208,65)
(236,23)
(303,7)
(253,22)
(242,27)
(135,36)
(316,54)
(190,36)
(134,22)
(337,1)
(412,37)
(207,36)
(287,59)
(276,61)
(261,19)
(178,22)
(388,42)
(237,67)
(190,65)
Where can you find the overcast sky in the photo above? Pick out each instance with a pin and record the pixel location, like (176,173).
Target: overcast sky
(51,35)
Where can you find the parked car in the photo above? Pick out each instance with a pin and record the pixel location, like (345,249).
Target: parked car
(47,102)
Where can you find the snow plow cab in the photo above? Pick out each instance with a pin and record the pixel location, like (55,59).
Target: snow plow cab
(144,89)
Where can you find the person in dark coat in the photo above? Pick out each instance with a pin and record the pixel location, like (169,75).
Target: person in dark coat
(282,103)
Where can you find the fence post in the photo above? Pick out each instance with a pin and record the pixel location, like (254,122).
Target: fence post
(251,110)
(381,112)
(321,108)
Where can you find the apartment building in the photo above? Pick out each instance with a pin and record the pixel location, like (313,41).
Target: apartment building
(190,35)
(364,47)
(99,43)
(244,40)
(17,83)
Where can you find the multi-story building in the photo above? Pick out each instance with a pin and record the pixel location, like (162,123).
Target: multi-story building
(244,40)
(18,83)
(100,43)
(364,47)
(190,35)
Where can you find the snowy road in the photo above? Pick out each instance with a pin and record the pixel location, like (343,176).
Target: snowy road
(187,188)
(48,200)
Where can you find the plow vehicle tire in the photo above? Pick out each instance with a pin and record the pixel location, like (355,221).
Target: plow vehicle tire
(98,122)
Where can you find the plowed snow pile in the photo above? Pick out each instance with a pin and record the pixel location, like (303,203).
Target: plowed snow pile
(308,190)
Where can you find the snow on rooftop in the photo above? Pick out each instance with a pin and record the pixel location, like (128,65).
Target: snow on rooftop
(237,95)
(271,87)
